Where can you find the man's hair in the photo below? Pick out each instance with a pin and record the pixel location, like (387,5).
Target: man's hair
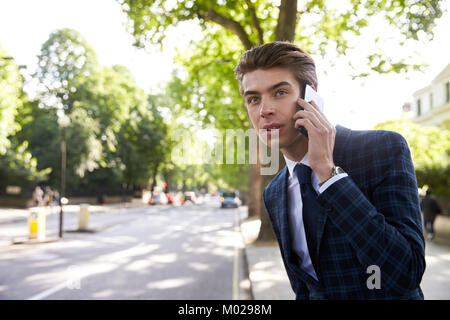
(278,54)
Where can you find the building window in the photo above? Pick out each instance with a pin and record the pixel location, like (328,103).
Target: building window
(447,92)
(431,101)
(418,108)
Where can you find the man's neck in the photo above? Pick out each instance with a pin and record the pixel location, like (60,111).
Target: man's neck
(297,150)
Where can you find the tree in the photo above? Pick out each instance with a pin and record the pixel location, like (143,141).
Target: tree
(200,97)
(109,112)
(17,165)
(10,98)
(142,144)
(63,58)
(430,152)
(41,132)
(321,26)
(19,168)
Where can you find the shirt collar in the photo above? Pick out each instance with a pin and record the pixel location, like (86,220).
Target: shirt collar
(291,164)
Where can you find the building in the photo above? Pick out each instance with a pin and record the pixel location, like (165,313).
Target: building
(431,104)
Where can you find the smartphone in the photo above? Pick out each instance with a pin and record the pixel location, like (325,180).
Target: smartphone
(309,94)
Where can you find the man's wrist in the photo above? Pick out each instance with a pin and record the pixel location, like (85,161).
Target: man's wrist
(334,172)
(325,173)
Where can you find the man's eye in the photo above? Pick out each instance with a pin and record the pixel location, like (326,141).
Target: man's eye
(281,92)
(253,100)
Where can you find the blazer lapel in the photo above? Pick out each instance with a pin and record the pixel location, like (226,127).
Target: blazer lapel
(280,209)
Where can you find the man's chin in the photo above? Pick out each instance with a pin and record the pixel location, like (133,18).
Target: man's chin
(270,140)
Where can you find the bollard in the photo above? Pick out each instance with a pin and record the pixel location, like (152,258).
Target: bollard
(83,218)
(36,223)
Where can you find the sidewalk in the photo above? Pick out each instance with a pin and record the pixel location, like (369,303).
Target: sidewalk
(12,215)
(267,275)
(269,280)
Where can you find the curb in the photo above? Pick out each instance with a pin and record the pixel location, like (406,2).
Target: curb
(245,291)
(267,273)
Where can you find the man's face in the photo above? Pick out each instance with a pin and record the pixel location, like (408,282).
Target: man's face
(271,97)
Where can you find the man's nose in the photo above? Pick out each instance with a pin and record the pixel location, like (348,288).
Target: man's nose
(266,109)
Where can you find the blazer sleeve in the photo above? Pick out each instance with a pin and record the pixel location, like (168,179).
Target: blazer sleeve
(384,227)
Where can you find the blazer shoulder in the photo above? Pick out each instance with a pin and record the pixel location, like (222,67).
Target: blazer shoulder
(378,141)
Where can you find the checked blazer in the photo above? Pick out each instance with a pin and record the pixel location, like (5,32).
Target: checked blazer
(371,217)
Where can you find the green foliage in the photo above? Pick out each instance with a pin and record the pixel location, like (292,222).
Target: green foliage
(10,98)
(84,149)
(142,136)
(430,152)
(19,168)
(41,131)
(319,23)
(63,58)
(114,136)
(209,95)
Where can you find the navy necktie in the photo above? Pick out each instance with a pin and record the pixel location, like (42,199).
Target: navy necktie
(310,209)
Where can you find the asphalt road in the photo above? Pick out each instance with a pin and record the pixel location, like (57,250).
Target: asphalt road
(161,252)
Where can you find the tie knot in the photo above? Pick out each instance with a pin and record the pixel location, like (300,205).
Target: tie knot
(303,173)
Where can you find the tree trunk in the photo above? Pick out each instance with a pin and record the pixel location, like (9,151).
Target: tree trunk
(287,21)
(155,171)
(266,232)
(254,190)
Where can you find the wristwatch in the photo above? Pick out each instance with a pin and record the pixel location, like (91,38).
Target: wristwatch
(334,172)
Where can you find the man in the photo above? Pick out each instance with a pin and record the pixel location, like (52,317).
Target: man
(345,208)
(430,209)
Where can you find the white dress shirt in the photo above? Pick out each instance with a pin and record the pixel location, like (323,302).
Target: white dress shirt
(295,214)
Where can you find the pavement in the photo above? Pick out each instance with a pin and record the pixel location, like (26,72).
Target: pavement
(13,215)
(269,280)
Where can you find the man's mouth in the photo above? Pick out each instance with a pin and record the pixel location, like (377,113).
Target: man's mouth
(272,128)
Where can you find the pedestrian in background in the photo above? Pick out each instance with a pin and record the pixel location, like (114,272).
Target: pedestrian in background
(430,209)
(37,196)
(48,197)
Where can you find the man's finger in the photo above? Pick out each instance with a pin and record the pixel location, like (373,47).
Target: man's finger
(311,116)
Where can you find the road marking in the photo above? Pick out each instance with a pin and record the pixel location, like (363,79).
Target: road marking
(49,292)
(236,262)
(235,275)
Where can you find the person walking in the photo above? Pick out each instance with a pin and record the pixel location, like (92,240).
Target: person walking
(430,209)
(37,196)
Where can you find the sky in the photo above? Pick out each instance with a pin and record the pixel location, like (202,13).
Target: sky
(358,104)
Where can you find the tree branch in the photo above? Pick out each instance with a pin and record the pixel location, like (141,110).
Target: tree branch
(287,20)
(229,24)
(255,22)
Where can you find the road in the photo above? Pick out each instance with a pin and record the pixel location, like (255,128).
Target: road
(159,252)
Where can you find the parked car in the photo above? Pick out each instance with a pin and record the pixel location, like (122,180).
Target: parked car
(158,198)
(189,196)
(230,199)
(170,198)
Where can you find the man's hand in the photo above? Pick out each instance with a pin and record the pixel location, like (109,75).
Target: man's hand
(321,135)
